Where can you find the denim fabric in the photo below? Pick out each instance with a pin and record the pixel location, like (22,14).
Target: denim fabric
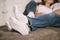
(41,21)
(31,7)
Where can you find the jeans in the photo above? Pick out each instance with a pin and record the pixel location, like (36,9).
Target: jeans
(41,21)
(31,7)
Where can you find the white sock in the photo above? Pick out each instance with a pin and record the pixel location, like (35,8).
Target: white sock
(31,14)
(19,26)
(19,15)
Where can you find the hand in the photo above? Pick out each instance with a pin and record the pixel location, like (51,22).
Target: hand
(57,11)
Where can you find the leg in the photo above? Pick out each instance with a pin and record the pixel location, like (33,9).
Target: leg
(19,26)
(41,21)
(56,21)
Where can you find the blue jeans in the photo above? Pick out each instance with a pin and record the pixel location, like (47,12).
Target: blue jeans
(41,21)
(31,7)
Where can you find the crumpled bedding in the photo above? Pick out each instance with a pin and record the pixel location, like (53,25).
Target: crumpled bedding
(49,33)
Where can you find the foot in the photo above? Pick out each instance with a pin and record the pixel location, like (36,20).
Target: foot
(20,26)
(19,15)
(31,14)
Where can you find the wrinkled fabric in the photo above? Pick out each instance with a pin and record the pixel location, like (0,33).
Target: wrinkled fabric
(44,21)
(31,7)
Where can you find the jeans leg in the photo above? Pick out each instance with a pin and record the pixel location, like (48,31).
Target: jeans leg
(43,21)
(39,22)
(56,21)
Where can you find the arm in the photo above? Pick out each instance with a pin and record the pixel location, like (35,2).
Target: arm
(57,11)
(37,12)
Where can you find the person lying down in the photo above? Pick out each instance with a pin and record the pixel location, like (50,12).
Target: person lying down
(21,23)
(42,9)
